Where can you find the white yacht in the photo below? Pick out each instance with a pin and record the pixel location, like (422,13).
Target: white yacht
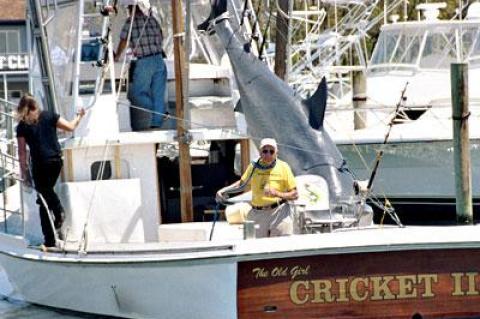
(417,166)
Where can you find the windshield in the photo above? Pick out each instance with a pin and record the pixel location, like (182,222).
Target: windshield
(428,46)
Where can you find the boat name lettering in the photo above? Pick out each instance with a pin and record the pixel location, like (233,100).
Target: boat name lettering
(390,287)
(281,271)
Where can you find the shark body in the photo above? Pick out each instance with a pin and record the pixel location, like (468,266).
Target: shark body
(272,110)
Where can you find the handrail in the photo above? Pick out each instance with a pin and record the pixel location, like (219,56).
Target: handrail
(6,102)
(11,175)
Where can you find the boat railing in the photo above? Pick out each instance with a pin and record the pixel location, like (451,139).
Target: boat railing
(11,186)
(7,119)
(12,206)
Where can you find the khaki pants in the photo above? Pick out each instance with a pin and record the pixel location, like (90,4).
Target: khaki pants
(273,222)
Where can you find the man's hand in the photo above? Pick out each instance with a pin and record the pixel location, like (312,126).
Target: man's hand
(220,197)
(271,192)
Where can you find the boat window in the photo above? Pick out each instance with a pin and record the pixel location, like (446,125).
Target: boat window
(100,170)
(3,42)
(396,50)
(408,47)
(439,51)
(9,42)
(474,56)
(385,45)
(13,42)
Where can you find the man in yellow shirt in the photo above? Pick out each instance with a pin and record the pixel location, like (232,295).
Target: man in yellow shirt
(272,184)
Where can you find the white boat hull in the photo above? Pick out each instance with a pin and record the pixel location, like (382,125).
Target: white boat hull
(289,277)
(186,289)
(419,171)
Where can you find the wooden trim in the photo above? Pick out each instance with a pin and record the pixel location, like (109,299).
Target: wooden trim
(394,284)
(117,162)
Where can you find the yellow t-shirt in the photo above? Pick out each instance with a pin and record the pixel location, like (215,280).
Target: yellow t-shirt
(280,178)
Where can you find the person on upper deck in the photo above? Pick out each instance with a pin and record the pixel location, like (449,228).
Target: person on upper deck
(38,130)
(147,89)
(273,185)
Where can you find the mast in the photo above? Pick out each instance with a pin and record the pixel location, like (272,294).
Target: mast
(186,201)
(40,43)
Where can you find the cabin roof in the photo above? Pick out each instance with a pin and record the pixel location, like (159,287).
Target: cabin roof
(424,24)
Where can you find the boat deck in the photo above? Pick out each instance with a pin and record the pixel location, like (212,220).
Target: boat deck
(373,239)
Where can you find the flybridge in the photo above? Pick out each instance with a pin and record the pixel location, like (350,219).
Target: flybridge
(14,62)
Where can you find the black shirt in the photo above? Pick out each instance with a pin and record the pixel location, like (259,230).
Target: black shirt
(41,137)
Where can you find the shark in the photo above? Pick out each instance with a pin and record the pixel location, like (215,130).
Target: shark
(272,110)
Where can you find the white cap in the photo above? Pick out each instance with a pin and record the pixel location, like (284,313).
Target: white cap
(268,141)
(144,5)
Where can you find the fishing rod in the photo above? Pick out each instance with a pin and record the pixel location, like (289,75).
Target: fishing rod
(385,140)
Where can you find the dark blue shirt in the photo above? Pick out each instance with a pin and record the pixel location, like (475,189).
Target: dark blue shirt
(41,137)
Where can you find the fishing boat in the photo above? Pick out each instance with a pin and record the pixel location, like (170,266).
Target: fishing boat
(123,254)
(416,172)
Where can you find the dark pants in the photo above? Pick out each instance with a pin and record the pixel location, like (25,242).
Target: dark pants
(45,175)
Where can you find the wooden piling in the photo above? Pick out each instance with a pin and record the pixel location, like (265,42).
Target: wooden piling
(461,142)
(186,201)
(359,98)
(244,154)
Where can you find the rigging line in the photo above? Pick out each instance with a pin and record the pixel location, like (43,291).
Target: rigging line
(84,237)
(264,36)
(167,116)
(122,69)
(244,11)
(255,138)
(255,27)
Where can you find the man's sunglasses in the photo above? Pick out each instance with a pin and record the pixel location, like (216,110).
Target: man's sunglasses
(268,151)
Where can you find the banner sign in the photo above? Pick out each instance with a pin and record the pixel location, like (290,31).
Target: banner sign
(14,62)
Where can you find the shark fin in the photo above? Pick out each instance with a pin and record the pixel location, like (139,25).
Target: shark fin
(316,105)
(238,108)
(219,7)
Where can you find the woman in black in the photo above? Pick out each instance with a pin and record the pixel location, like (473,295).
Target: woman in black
(38,130)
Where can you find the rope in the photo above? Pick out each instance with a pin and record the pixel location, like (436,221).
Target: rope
(84,239)
(463,117)
(167,115)
(122,69)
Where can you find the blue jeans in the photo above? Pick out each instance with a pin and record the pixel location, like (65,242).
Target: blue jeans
(148,86)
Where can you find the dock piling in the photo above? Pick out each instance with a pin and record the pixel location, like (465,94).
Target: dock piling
(359,98)
(461,142)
